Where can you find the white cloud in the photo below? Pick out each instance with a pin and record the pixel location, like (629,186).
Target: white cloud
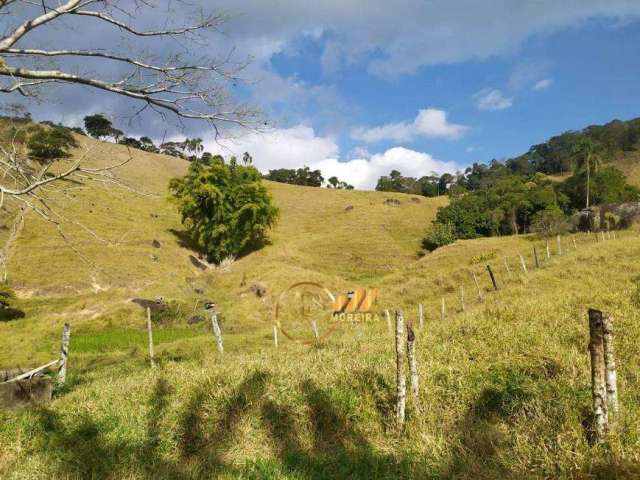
(280,148)
(298,146)
(492,99)
(542,84)
(363,174)
(430,122)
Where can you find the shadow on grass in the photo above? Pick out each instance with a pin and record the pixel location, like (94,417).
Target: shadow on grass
(185,240)
(8,314)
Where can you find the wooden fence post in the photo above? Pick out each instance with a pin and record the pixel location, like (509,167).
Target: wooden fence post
(401,382)
(442,310)
(387,315)
(602,233)
(611,376)
(506,265)
(575,247)
(548,251)
(493,278)
(316,333)
(614,234)
(462,297)
(152,359)
(413,365)
(420,316)
(64,355)
(524,265)
(216,331)
(559,240)
(535,257)
(475,279)
(275,335)
(598,389)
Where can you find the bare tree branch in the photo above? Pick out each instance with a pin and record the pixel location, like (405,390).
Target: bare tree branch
(189,86)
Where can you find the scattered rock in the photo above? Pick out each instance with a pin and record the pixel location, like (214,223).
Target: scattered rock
(197,263)
(260,289)
(157,305)
(391,201)
(195,319)
(348,208)
(156,244)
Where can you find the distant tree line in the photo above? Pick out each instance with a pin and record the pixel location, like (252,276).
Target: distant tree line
(306,177)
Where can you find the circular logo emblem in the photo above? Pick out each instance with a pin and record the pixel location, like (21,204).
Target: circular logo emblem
(303,312)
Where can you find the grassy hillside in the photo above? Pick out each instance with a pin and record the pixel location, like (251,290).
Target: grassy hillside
(504,384)
(90,280)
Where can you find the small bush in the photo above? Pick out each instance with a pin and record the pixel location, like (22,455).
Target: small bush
(550,221)
(442,234)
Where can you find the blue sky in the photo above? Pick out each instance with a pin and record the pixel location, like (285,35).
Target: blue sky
(358,87)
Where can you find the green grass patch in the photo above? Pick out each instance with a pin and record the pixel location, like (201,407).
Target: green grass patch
(126,339)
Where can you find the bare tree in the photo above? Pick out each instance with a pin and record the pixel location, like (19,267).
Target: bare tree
(169,83)
(182,85)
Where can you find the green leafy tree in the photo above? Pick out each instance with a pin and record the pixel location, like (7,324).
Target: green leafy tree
(226,208)
(98,126)
(301,176)
(50,143)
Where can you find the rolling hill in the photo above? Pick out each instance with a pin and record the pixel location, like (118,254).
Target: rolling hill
(504,381)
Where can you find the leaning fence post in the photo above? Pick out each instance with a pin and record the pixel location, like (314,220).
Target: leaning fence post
(506,265)
(152,359)
(64,355)
(598,389)
(420,316)
(611,376)
(475,279)
(413,366)
(524,265)
(401,382)
(493,279)
(275,335)
(388,317)
(216,331)
(316,333)
(535,257)
(462,297)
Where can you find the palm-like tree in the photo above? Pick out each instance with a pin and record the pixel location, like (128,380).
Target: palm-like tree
(588,155)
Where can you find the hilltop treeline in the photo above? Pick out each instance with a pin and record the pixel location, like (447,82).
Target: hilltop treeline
(517,196)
